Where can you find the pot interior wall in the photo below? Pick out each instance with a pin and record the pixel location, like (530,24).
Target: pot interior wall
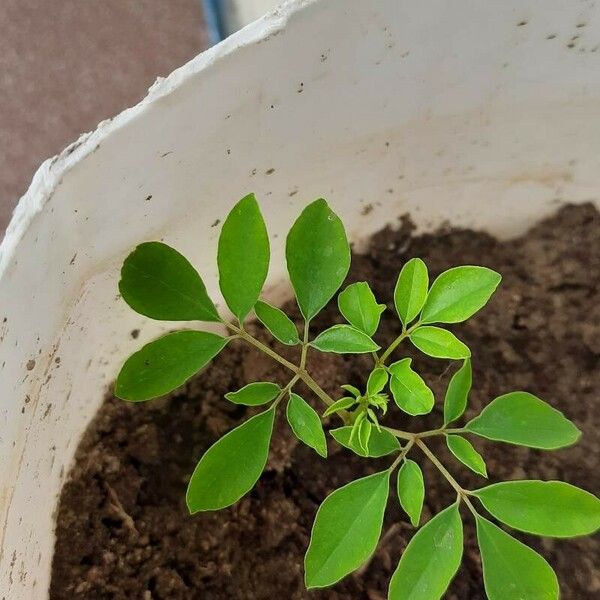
(481,114)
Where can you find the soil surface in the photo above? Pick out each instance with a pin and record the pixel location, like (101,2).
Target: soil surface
(123,530)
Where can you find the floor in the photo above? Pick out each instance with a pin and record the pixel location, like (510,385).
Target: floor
(65,65)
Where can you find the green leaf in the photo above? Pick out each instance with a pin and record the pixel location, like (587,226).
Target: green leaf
(381,443)
(411,290)
(359,307)
(346,530)
(232,465)
(306,425)
(459,293)
(338,405)
(468,456)
(377,380)
(243,256)
(439,343)
(166,363)
(512,570)
(457,393)
(549,508)
(344,339)
(522,418)
(254,394)
(350,388)
(410,392)
(411,490)
(364,434)
(278,323)
(318,257)
(158,282)
(430,560)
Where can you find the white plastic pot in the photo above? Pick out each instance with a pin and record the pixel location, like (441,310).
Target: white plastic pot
(484,114)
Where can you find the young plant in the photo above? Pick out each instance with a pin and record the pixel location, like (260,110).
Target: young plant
(160,283)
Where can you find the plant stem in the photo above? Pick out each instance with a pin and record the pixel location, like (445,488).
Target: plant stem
(304,346)
(402,455)
(285,390)
(405,333)
(263,348)
(462,494)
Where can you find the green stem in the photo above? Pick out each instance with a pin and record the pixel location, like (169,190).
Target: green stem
(405,333)
(304,347)
(462,494)
(285,390)
(402,455)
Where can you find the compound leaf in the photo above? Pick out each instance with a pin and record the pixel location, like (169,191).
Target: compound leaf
(306,424)
(277,322)
(254,394)
(411,490)
(430,560)
(318,257)
(344,339)
(522,418)
(459,293)
(410,392)
(512,570)
(360,308)
(232,465)
(160,283)
(468,456)
(243,256)
(381,442)
(549,508)
(166,363)
(439,343)
(346,530)
(457,393)
(411,290)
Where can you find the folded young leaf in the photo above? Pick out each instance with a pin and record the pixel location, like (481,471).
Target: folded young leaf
(318,257)
(468,456)
(344,339)
(346,530)
(243,256)
(232,465)
(166,363)
(381,443)
(160,283)
(459,293)
(306,424)
(364,434)
(523,419)
(278,323)
(548,508)
(377,380)
(457,393)
(411,290)
(512,570)
(360,308)
(353,390)
(430,560)
(254,394)
(439,343)
(410,392)
(338,405)
(411,490)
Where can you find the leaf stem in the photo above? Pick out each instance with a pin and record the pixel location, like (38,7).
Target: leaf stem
(402,455)
(285,390)
(304,346)
(405,333)
(462,494)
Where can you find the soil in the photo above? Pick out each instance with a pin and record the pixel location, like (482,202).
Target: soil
(123,530)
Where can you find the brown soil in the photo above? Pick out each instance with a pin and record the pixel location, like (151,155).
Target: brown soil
(123,531)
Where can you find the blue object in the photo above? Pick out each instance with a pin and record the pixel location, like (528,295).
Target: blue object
(213,15)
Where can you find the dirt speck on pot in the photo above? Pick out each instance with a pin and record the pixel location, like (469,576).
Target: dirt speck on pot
(123,530)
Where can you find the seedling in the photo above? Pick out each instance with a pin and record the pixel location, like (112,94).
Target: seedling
(160,283)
